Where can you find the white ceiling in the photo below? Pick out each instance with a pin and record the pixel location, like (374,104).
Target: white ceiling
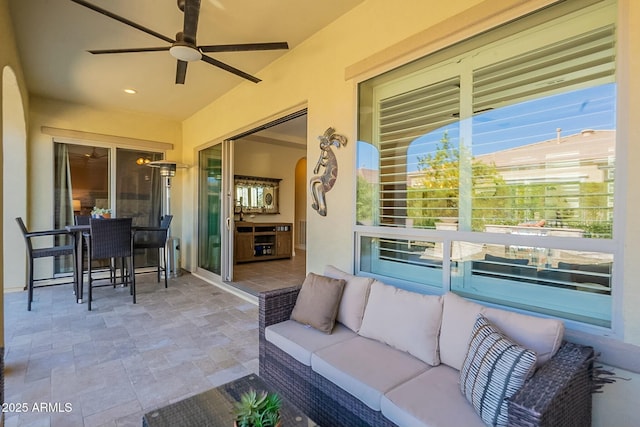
(54,35)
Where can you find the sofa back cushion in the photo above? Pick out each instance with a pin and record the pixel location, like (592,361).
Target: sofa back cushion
(458,318)
(354,297)
(405,320)
(317,302)
(544,336)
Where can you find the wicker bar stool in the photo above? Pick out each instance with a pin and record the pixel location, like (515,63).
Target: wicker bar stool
(50,251)
(111,238)
(155,238)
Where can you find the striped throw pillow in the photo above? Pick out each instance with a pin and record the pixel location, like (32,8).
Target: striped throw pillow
(493,370)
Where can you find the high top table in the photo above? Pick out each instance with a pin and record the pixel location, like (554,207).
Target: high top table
(78,230)
(214,407)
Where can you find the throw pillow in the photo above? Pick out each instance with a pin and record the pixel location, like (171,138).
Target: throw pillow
(317,302)
(405,320)
(354,297)
(494,369)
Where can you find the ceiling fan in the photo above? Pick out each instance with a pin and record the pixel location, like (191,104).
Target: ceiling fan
(95,154)
(81,154)
(184,47)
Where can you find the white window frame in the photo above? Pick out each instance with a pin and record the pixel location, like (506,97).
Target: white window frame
(538,35)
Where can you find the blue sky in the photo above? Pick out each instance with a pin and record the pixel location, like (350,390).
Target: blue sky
(519,124)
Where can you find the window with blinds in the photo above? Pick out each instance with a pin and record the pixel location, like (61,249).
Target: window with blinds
(526,139)
(512,136)
(403,121)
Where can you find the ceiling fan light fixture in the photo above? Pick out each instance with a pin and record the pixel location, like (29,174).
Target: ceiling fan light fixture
(185,52)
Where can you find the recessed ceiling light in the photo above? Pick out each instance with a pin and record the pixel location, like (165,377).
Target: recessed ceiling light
(131,91)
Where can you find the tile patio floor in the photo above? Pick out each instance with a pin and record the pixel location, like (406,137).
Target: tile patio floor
(119,361)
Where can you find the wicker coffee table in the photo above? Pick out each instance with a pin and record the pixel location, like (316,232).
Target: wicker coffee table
(214,408)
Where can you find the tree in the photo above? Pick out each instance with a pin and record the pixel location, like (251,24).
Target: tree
(366,200)
(438,196)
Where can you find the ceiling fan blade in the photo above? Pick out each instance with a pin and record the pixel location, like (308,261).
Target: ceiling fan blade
(181,72)
(230,69)
(132,50)
(191,14)
(244,47)
(123,20)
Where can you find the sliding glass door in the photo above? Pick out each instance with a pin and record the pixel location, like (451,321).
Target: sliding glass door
(106,177)
(214,220)
(138,187)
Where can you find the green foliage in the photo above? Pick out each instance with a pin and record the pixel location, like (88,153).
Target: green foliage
(583,205)
(258,409)
(366,201)
(100,211)
(439,195)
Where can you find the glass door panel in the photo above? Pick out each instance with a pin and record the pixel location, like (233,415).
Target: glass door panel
(81,182)
(82,177)
(139,194)
(210,210)
(138,187)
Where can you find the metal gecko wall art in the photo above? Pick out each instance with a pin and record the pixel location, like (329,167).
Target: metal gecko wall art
(323,180)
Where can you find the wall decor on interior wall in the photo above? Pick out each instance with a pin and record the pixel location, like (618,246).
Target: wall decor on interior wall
(323,181)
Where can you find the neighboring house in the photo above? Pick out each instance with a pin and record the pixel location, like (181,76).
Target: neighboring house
(589,149)
(322,75)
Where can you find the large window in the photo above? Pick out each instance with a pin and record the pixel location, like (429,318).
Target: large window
(492,164)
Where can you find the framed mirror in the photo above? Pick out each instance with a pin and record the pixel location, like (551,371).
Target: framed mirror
(255,194)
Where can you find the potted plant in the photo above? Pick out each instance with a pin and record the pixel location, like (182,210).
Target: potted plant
(257,409)
(97,212)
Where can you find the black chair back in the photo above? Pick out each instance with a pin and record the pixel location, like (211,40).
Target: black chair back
(165,221)
(81,219)
(110,238)
(25,233)
(155,238)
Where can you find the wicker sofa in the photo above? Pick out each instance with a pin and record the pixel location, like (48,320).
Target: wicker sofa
(557,394)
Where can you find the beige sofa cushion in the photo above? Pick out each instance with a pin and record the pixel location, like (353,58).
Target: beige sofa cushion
(354,297)
(317,302)
(404,320)
(430,399)
(366,368)
(544,336)
(458,318)
(301,341)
